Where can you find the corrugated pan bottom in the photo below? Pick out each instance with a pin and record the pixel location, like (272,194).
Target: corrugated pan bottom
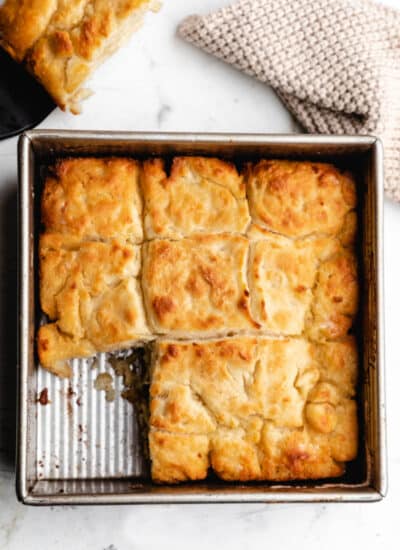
(80,435)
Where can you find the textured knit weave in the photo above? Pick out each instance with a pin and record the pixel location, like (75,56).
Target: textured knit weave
(335,63)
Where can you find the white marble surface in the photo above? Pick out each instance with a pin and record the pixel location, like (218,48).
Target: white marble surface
(161,83)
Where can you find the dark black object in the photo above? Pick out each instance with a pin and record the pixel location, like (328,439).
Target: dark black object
(23,102)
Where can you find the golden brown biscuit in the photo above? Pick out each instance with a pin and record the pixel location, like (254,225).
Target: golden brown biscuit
(335,298)
(63,41)
(298,199)
(329,437)
(197,286)
(262,408)
(305,454)
(234,456)
(55,349)
(22,23)
(178,457)
(203,369)
(338,366)
(94,199)
(303,285)
(92,292)
(282,274)
(201,195)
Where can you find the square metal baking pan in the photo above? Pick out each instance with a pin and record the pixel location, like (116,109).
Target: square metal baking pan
(80,449)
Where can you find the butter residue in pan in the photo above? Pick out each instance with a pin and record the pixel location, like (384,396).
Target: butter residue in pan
(104,382)
(133,367)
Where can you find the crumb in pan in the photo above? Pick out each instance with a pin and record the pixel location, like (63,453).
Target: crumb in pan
(252,409)
(62,42)
(200,195)
(104,382)
(43,397)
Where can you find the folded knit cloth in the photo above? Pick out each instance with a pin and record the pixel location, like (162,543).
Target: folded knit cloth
(334,63)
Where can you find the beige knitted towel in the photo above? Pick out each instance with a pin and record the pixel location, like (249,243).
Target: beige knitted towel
(335,63)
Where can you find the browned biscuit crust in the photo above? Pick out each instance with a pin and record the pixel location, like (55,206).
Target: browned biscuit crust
(263,409)
(201,195)
(197,286)
(94,199)
(302,286)
(62,42)
(298,199)
(91,291)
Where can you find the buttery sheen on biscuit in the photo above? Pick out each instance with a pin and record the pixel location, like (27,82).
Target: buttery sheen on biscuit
(302,286)
(92,293)
(62,42)
(335,297)
(252,409)
(94,199)
(197,286)
(297,199)
(200,195)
